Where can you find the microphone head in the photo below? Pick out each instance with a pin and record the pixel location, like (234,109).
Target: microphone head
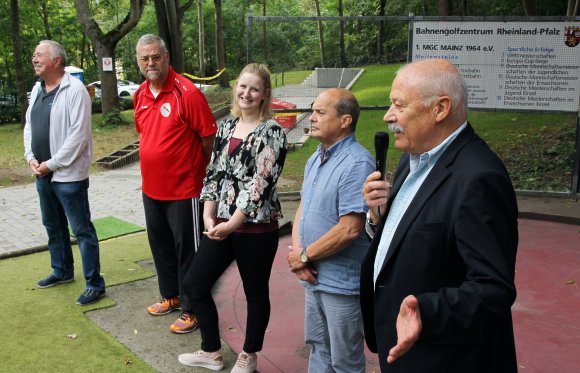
(381,145)
(381,140)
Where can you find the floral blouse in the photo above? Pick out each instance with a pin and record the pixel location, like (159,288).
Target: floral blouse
(246,179)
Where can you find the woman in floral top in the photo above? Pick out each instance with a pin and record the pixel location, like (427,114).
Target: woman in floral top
(241,212)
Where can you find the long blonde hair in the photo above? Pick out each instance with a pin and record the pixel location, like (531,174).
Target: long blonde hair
(264,74)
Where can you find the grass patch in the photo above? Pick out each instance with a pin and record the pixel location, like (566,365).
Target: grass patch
(13,167)
(289,77)
(111,227)
(38,337)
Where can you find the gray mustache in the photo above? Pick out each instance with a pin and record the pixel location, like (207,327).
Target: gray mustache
(395,128)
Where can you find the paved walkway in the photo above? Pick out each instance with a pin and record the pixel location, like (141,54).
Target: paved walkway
(111,193)
(118,193)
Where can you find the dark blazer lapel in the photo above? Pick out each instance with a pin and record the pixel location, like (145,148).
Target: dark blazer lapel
(436,177)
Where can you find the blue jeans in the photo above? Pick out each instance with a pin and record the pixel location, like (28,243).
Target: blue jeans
(333,327)
(59,201)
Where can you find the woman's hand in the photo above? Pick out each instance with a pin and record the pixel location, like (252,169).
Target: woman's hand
(208,222)
(220,231)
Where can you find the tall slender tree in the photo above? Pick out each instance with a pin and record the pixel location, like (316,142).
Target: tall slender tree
(342,49)
(381,34)
(264,34)
(446,7)
(530,8)
(573,8)
(200,38)
(170,15)
(219,43)
(17,51)
(44,14)
(104,45)
(320,34)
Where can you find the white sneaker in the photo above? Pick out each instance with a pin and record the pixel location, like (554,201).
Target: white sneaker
(202,359)
(245,364)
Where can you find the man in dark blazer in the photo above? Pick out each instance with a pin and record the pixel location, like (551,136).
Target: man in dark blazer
(437,283)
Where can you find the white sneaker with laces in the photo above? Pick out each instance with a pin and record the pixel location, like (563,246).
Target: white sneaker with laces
(246,363)
(202,359)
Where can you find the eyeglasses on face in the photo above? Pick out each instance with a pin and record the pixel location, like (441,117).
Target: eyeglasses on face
(154,58)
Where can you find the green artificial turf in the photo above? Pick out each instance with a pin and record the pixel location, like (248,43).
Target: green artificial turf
(111,227)
(43,330)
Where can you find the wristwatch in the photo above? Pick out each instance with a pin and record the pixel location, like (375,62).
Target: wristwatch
(304,256)
(370,220)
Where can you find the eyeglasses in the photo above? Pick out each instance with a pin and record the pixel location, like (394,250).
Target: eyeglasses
(155,58)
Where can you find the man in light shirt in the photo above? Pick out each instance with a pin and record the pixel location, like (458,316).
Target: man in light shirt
(58,144)
(328,238)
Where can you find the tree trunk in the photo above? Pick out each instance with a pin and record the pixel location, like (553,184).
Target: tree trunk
(105,44)
(176,57)
(45,20)
(169,19)
(381,35)
(201,38)
(445,7)
(530,8)
(83,47)
(219,44)
(342,49)
(17,50)
(162,24)
(573,7)
(320,35)
(264,35)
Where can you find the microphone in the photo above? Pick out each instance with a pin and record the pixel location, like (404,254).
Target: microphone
(381,147)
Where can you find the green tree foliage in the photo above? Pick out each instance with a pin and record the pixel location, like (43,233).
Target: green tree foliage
(63,27)
(284,46)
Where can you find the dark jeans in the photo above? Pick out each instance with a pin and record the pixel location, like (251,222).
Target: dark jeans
(254,255)
(59,201)
(173,230)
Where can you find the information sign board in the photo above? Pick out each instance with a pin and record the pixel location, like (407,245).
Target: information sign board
(508,65)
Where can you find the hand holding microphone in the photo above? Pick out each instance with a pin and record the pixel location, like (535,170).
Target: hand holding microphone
(381,147)
(376,188)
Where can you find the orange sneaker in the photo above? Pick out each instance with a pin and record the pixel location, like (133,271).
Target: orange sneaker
(186,323)
(165,306)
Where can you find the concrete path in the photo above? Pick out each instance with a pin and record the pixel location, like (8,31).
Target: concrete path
(111,193)
(118,193)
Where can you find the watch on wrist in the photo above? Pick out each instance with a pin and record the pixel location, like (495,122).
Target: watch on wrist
(370,220)
(304,256)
